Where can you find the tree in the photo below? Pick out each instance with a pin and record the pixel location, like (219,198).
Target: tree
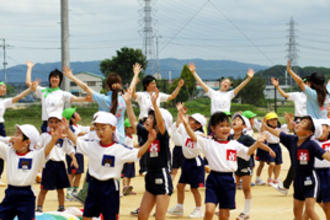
(123,62)
(189,87)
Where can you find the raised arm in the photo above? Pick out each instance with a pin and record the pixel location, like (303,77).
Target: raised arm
(28,80)
(56,134)
(275,83)
(137,68)
(296,78)
(68,73)
(326,156)
(158,114)
(190,132)
(200,82)
(22,94)
(265,127)
(175,93)
(250,75)
(129,109)
(151,137)
(87,98)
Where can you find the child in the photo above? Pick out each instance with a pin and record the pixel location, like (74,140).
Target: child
(73,117)
(129,168)
(303,151)
(54,175)
(221,154)
(192,171)
(244,170)
(23,165)
(254,122)
(106,160)
(158,182)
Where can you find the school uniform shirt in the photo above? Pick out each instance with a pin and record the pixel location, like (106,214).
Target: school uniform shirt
(22,169)
(52,101)
(105,103)
(302,157)
(158,154)
(272,139)
(176,137)
(312,104)
(220,101)
(325,145)
(299,99)
(106,161)
(129,141)
(221,155)
(61,148)
(145,104)
(4,103)
(247,141)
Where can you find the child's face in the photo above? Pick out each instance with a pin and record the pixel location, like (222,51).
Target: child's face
(272,122)
(152,86)
(104,132)
(225,84)
(221,130)
(301,128)
(76,118)
(18,143)
(54,81)
(149,123)
(3,90)
(129,131)
(53,123)
(238,124)
(325,132)
(194,125)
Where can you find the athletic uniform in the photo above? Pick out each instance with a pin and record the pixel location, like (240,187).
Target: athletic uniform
(305,183)
(145,104)
(157,180)
(177,156)
(222,158)
(22,170)
(105,165)
(322,168)
(52,100)
(54,173)
(129,168)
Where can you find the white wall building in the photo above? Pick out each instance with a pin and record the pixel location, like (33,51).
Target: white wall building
(92,80)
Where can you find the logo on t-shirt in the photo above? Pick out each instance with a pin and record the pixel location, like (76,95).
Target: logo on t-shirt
(189,143)
(25,163)
(108,161)
(303,156)
(326,147)
(154,148)
(231,155)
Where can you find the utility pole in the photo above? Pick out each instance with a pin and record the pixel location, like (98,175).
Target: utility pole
(65,50)
(4,47)
(157,53)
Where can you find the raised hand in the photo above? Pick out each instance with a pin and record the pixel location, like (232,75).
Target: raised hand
(275,82)
(137,68)
(29,64)
(116,86)
(154,96)
(35,84)
(288,66)
(192,67)
(250,73)
(127,96)
(181,83)
(67,71)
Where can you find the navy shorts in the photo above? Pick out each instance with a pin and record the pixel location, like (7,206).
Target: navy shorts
(262,155)
(128,170)
(193,172)
(277,149)
(44,126)
(159,182)
(2,130)
(253,163)
(80,161)
(324,177)
(305,186)
(177,157)
(243,171)
(102,197)
(54,176)
(18,201)
(221,188)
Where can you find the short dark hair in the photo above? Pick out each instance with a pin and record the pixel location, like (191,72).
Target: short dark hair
(310,126)
(24,137)
(217,118)
(147,80)
(55,72)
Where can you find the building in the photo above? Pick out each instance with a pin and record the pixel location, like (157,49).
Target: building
(92,80)
(269,92)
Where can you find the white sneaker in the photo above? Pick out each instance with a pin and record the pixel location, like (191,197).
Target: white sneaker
(196,213)
(243,216)
(259,182)
(281,189)
(176,211)
(2,183)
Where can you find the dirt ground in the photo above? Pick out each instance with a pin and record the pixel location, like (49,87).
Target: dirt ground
(266,202)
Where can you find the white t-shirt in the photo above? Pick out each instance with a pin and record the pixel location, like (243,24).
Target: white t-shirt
(4,103)
(53,102)
(188,146)
(222,155)
(59,150)
(272,139)
(129,141)
(22,169)
(220,101)
(176,137)
(299,99)
(323,163)
(144,101)
(106,162)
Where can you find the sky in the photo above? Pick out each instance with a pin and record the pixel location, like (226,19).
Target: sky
(251,31)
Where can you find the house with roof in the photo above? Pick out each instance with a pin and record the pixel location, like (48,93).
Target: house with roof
(93,81)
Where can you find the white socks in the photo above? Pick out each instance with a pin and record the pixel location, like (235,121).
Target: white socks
(247,206)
